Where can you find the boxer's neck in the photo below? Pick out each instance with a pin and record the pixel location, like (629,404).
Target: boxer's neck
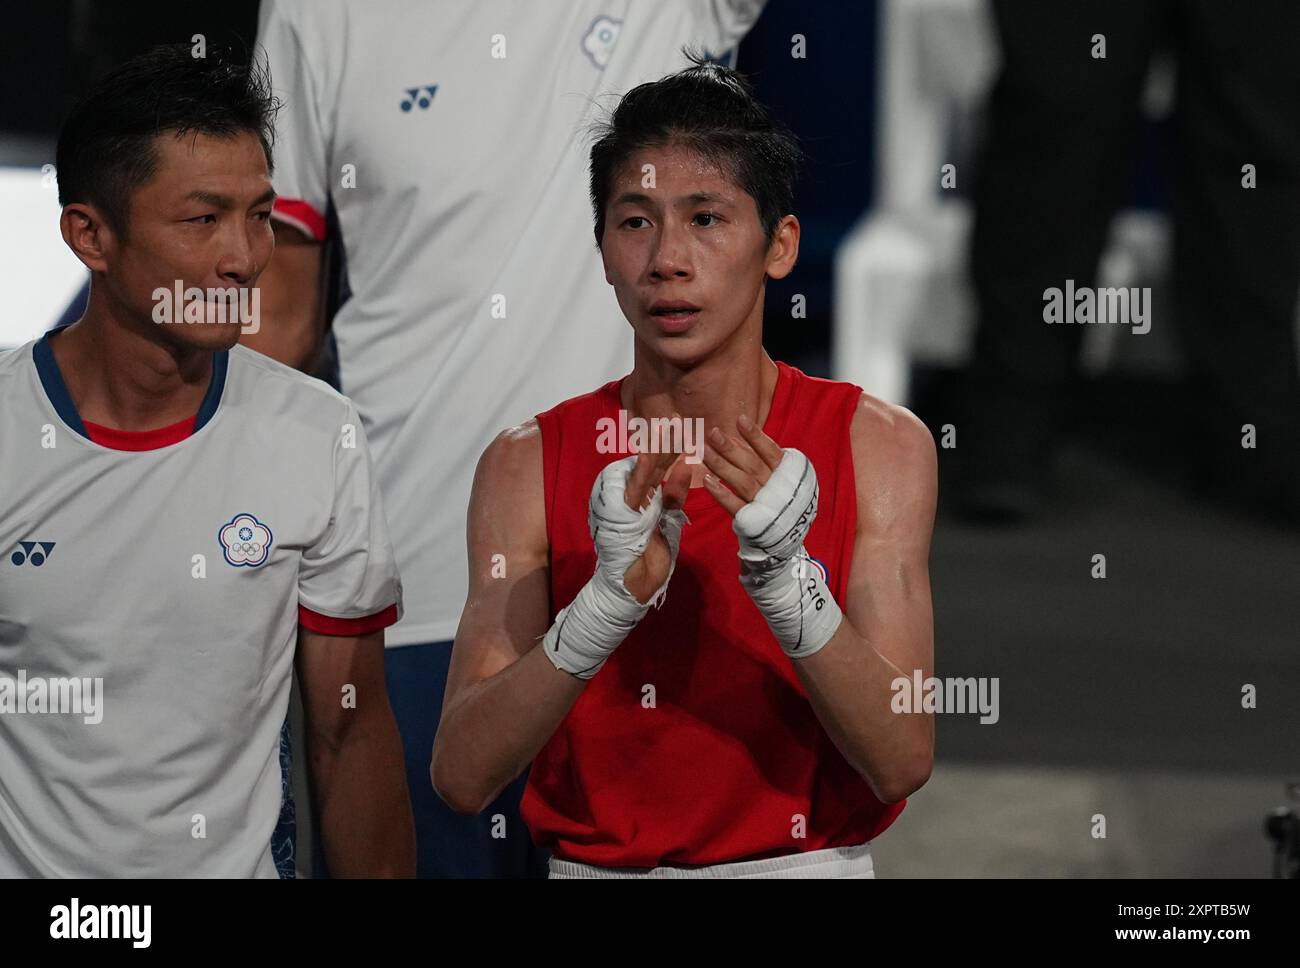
(739,377)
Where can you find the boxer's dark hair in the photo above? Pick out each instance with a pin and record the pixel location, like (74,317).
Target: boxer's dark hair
(712,111)
(106,147)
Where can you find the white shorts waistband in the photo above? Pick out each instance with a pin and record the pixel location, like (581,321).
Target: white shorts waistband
(853,863)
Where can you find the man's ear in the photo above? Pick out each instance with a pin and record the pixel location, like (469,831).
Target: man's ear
(604,264)
(87,234)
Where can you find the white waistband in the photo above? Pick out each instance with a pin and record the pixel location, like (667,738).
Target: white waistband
(833,862)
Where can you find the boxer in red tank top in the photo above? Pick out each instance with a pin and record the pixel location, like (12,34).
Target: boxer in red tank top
(696,657)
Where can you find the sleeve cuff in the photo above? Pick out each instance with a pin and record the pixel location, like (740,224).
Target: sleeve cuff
(301,215)
(327,625)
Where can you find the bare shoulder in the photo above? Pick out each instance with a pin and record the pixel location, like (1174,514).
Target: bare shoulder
(508,503)
(514,455)
(891,431)
(895,466)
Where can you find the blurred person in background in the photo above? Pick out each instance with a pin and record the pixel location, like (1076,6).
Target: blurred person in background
(1060,144)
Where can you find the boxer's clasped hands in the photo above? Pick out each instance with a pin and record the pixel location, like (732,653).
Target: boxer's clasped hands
(661,517)
(771,495)
(635,518)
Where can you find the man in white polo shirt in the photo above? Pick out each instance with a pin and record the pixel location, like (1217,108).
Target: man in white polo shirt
(177,511)
(448,138)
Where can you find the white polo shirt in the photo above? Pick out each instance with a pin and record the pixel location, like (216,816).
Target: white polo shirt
(149,608)
(449,135)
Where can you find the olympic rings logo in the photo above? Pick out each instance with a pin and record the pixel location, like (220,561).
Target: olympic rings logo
(245,541)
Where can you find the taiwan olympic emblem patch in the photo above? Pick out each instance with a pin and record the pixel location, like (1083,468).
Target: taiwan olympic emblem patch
(245,541)
(601,37)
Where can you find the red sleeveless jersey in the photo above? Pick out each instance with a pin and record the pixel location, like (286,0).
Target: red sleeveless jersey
(729,762)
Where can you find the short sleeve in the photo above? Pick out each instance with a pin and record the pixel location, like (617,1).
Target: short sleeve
(348,582)
(288,33)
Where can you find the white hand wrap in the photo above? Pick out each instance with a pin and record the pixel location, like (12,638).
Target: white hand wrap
(590,628)
(781,579)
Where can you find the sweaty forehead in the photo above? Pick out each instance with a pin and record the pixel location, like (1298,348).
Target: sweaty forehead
(676,171)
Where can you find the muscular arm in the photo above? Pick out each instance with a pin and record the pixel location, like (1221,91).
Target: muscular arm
(888,627)
(505,694)
(355,754)
(292,287)
(504,698)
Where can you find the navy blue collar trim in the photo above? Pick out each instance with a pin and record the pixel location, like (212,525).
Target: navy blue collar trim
(52,381)
(57,390)
(212,399)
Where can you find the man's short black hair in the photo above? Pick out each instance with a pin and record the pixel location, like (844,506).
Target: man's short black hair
(712,111)
(106,147)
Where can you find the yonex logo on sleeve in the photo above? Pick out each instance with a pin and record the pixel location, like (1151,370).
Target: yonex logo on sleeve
(245,541)
(27,552)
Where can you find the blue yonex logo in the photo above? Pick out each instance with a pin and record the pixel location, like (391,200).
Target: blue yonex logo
(245,541)
(414,96)
(27,552)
